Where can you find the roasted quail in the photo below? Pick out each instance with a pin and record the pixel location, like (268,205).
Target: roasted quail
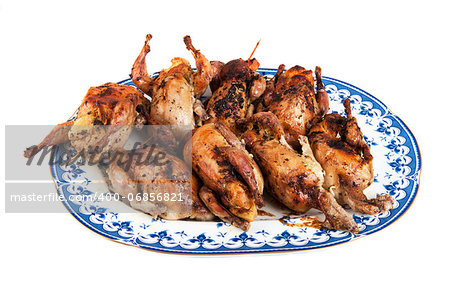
(175,91)
(117,106)
(164,188)
(235,89)
(339,146)
(233,182)
(293,178)
(290,96)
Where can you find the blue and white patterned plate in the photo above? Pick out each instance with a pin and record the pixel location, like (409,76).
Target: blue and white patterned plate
(397,166)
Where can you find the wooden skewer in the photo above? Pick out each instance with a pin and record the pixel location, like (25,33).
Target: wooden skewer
(254,49)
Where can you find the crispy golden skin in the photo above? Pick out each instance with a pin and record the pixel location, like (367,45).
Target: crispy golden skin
(118,106)
(339,146)
(295,179)
(291,97)
(229,173)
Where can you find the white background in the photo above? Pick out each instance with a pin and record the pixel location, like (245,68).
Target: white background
(51,53)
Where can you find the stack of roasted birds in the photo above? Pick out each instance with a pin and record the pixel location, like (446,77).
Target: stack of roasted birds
(253,134)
